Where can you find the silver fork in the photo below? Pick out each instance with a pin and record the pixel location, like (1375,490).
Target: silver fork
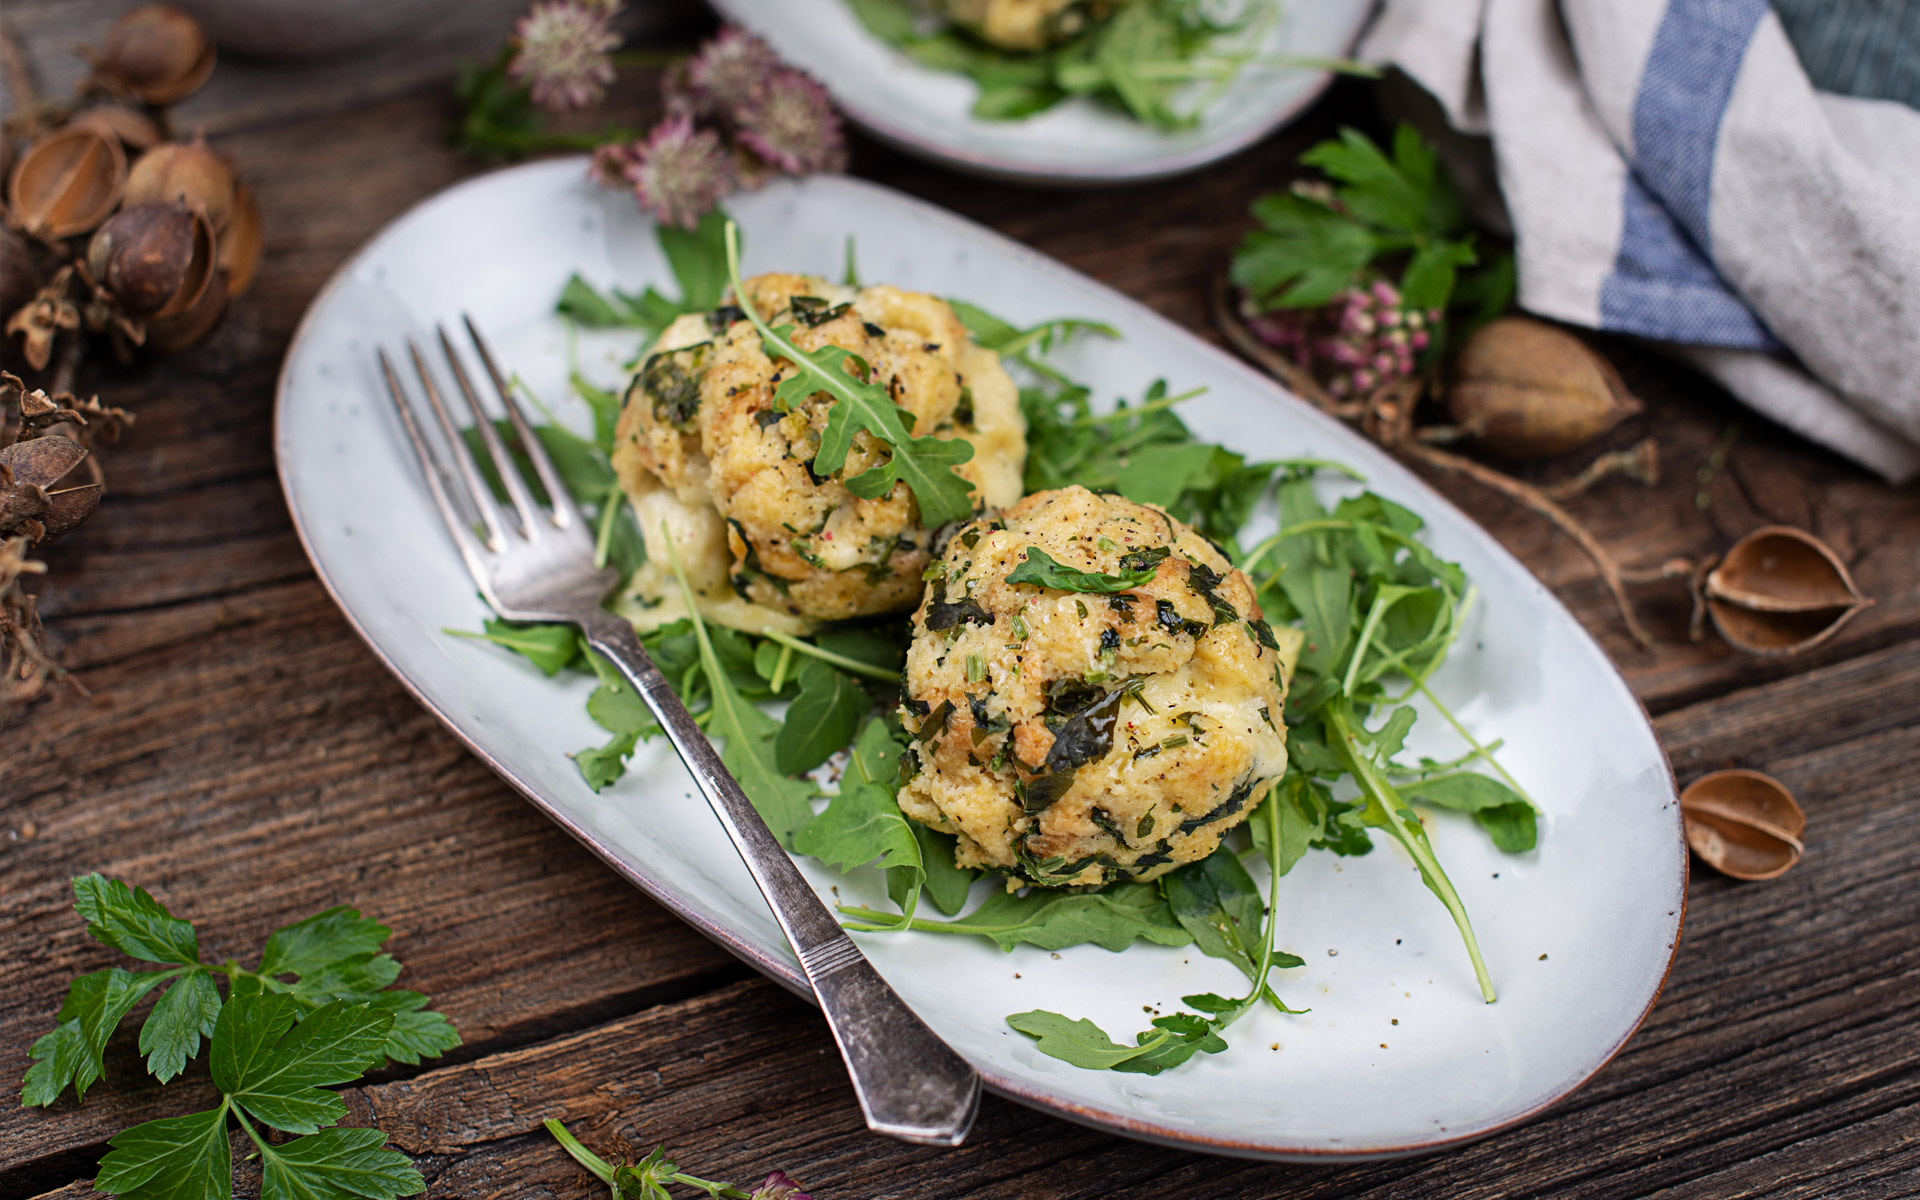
(538,565)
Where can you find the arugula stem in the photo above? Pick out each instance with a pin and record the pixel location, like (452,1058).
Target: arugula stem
(1152,406)
(839,660)
(1391,810)
(1379,608)
(1484,753)
(601,1168)
(780,667)
(609,510)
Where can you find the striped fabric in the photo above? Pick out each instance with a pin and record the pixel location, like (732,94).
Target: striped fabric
(1867,48)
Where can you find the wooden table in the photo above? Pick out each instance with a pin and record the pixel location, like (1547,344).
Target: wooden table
(247,759)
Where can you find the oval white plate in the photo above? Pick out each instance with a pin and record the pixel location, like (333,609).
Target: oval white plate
(1578,933)
(930,113)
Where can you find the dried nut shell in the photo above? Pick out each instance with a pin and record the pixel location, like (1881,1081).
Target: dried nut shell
(42,461)
(189,174)
(19,281)
(1525,389)
(145,255)
(158,53)
(67,182)
(241,242)
(1780,591)
(175,332)
(1743,824)
(133,130)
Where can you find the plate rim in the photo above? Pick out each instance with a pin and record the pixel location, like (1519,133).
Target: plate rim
(785,974)
(1147,170)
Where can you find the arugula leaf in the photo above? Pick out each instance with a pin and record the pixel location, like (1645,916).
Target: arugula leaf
(859,402)
(173,1158)
(1216,901)
(782,802)
(133,922)
(337,1164)
(699,264)
(1506,816)
(863,823)
(1079,1042)
(1041,570)
(821,719)
(946,883)
(1112,918)
(552,648)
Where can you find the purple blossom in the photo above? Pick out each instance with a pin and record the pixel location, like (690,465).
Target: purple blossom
(792,125)
(679,173)
(562,52)
(1362,339)
(726,75)
(779,1186)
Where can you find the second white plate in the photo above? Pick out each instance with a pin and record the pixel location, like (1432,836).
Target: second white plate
(1398,1054)
(930,113)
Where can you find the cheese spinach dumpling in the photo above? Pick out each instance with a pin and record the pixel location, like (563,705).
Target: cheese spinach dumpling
(712,465)
(1075,737)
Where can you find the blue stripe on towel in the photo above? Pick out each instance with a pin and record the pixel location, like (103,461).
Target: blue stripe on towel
(1663,285)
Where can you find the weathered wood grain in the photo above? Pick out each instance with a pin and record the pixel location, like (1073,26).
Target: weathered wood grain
(246,758)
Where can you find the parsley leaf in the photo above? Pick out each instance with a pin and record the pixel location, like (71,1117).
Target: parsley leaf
(74,1052)
(336,1164)
(1041,570)
(173,1158)
(133,922)
(275,1068)
(184,1014)
(860,403)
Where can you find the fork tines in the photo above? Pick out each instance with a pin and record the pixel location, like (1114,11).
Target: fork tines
(472,513)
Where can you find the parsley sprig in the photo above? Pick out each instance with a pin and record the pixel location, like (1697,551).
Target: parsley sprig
(861,403)
(1379,212)
(318,1011)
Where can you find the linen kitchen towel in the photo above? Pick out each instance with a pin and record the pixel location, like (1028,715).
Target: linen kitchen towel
(1671,173)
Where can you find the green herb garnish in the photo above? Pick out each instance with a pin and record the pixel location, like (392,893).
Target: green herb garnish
(318,1011)
(861,402)
(1041,570)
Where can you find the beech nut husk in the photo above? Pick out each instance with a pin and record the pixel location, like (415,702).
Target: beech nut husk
(134,131)
(1524,389)
(241,242)
(157,53)
(1743,824)
(176,331)
(1779,592)
(156,259)
(27,470)
(67,182)
(190,174)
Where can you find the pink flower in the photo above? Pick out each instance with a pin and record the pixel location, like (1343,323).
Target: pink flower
(561,52)
(726,74)
(679,173)
(791,124)
(779,1186)
(611,162)
(1362,339)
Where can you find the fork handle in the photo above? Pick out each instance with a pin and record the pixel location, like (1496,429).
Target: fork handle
(911,1085)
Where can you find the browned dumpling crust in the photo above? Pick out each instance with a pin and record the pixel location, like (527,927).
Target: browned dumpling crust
(1073,738)
(703,450)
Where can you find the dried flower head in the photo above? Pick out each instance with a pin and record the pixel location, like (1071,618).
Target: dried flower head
(779,1186)
(679,173)
(725,76)
(611,162)
(791,124)
(1363,339)
(25,666)
(562,52)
